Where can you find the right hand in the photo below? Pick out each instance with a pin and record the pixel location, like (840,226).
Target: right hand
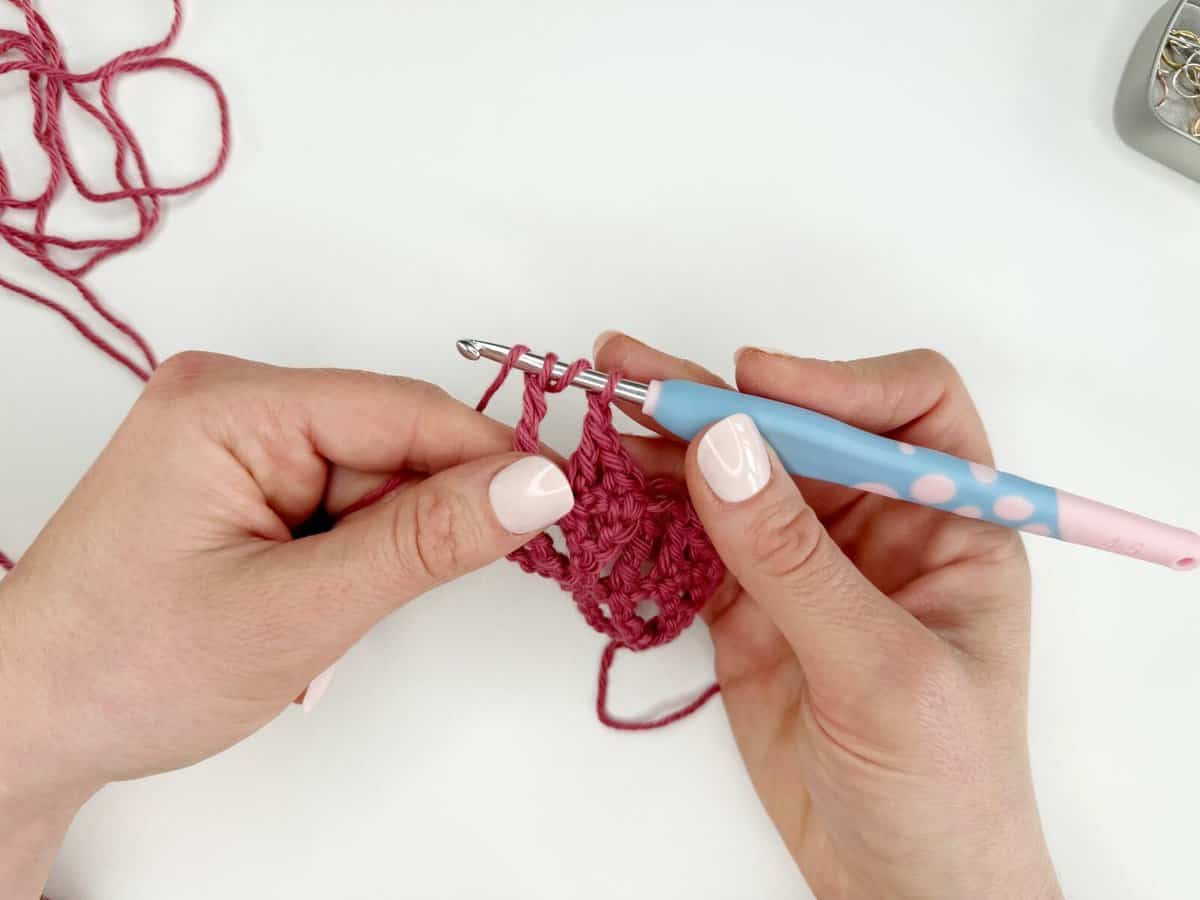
(873,655)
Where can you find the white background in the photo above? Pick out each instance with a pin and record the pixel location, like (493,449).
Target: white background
(840,179)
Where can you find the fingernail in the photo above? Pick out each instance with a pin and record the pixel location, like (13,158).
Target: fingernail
(603,338)
(738,353)
(733,459)
(316,689)
(529,495)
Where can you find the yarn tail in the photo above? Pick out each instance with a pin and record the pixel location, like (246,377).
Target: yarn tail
(607,718)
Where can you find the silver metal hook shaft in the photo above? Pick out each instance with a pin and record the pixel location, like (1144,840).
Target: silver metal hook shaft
(588,379)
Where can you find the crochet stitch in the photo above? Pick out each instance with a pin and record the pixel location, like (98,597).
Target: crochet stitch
(630,538)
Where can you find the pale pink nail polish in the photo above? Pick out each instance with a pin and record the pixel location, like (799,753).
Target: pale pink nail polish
(316,689)
(733,459)
(529,495)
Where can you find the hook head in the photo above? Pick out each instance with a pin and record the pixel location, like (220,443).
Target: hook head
(469,349)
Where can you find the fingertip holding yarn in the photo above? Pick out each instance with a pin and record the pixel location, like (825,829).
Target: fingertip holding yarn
(630,538)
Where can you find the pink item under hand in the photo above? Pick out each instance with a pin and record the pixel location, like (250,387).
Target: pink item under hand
(316,689)
(1083,521)
(630,538)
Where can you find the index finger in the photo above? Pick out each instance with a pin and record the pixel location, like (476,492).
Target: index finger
(916,396)
(290,429)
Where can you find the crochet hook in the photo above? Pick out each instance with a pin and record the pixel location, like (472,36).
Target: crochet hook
(820,447)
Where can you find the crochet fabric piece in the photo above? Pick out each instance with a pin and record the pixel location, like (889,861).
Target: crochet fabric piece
(631,540)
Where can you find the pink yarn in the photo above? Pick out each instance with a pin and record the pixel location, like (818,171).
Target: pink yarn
(37,53)
(629,539)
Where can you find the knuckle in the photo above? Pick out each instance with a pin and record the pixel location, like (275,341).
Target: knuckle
(784,539)
(184,370)
(415,387)
(440,535)
(424,393)
(936,362)
(425,387)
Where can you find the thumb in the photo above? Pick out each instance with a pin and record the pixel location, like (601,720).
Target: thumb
(427,533)
(452,523)
(420,536)
(848,636)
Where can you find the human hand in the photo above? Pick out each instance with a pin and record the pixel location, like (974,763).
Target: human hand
(166,612)
(873,655)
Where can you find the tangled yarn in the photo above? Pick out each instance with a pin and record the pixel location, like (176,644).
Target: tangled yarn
(631,540)
(37,54)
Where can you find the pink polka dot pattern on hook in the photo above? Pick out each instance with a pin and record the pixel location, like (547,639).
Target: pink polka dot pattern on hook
(882,490)
(906,449)
(969,512)
(984,474)
(1037,528)
(934,489)
(1012,508)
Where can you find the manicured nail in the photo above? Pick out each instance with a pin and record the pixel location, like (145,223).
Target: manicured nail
(603,338)
(529,495)
(733,459)
(740,351)
(316,689)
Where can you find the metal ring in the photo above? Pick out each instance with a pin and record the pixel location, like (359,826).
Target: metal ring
(1187,69)
(1196,128)
(1191,70)
(1161,77)
(1179,40)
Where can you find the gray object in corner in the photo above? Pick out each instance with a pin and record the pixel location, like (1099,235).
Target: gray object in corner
(1163,129)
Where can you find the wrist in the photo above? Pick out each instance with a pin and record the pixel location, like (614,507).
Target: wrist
(31,831)
(999,856)
(1013,861)
(39,791)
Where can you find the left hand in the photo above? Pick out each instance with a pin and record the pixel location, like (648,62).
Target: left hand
(166,612)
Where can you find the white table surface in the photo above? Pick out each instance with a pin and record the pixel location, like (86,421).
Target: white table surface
(841,179)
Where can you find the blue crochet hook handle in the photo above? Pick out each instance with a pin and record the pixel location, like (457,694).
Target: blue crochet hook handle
(820,447)
(817,446)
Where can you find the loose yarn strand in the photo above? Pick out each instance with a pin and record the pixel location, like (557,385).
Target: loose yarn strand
(629,538)
(37,53)
(606,718)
